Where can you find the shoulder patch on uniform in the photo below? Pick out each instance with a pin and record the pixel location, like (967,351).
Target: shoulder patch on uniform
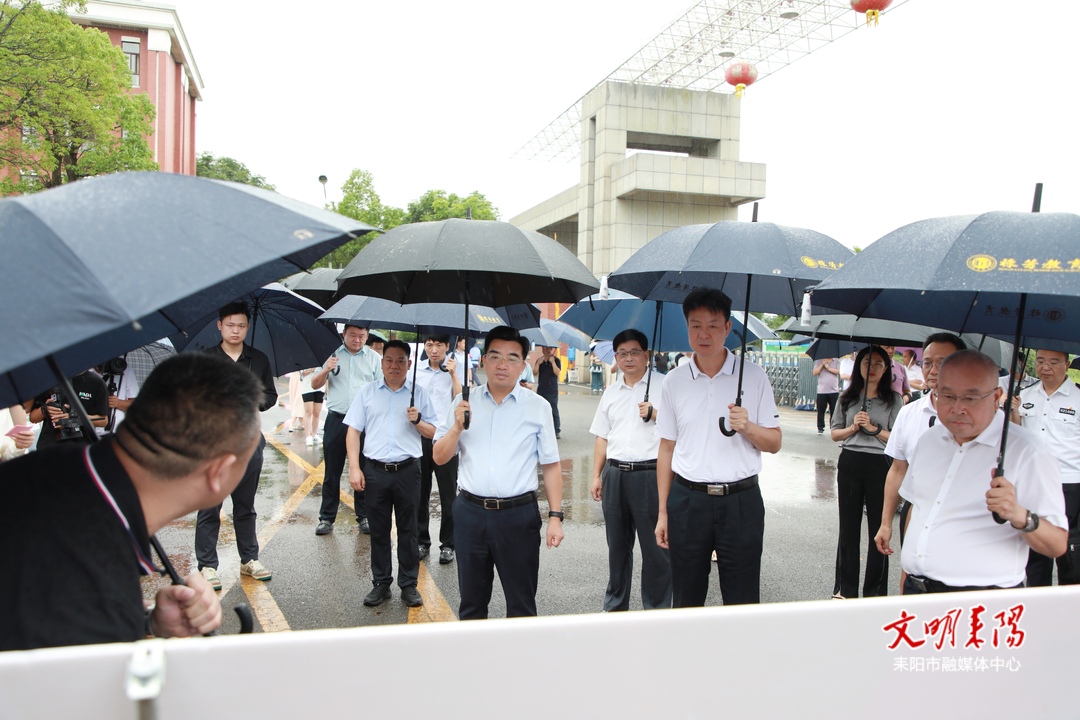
(1028,406)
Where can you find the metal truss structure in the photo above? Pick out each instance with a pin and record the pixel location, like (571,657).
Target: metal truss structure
(693,51)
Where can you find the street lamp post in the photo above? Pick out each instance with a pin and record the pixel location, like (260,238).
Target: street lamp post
(322,179)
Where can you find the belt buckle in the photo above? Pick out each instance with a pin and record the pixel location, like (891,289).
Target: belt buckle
(625,466)
(491,503)
(716,489)
(919,583)
(391,467)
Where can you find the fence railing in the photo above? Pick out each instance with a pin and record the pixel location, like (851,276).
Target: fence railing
(791,376)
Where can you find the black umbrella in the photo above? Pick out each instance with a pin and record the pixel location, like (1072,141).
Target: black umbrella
(317,284)
(824,348)
(114,262)
(467,261)
(761,266)
(1005,274)
(284,326)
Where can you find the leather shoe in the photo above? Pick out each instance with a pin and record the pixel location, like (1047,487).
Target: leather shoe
(378,595)
(424,550)
(446,556)
(411,596)
(365,526)
(324,527)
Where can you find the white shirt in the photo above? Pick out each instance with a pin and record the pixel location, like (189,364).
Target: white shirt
(617,420)
(382,415)
(1054,419)
(459,358)
(952,537)
(690,411)
(440,390)
(910,424)
(503,444)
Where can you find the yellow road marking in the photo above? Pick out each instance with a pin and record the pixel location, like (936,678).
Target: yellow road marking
(434,609)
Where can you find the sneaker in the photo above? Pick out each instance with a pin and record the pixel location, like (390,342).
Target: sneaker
(317,439)
(378,595)
(211,577)
(255,569)
(446,556)
(409,595)
(309,440)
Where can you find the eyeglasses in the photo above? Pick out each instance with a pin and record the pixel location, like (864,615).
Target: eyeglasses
(623,354)
(931,364)
(964,401)
(1052,362)
(496,358)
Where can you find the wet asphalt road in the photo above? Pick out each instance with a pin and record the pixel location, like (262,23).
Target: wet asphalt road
(319,582)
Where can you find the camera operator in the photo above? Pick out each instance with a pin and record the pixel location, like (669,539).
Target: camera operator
(122,386)
(62,423)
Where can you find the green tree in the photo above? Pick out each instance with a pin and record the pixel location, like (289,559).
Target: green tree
(225,168)
(66,107)
(438,205)
(360,201)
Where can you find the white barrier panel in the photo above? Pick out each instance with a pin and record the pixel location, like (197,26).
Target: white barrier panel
(989,654)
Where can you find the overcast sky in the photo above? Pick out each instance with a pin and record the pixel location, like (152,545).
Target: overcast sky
(946,108)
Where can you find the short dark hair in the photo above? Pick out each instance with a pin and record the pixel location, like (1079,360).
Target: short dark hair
(374,337)
(444,339)
(502,332)
(399,344)
(630,335)
(709,298)
(236,307)
(945,337)
(353,325)
(181,417)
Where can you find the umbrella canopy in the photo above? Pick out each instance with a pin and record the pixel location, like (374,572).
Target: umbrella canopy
(318,285)
(968,273)
(604,351)
(829,348)
(143,360)
(130,258)
(430,318)
(284,326)
(477,261)
(552,333)
(603,319)
(783,262)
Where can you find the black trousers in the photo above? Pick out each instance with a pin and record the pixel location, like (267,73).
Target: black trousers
(208,521)
(733,526)
(446,477)
(393,494)
(552,396)
(631,507)
(860,479)
(824,399)
(335,455)
(1040,569)
(506,540)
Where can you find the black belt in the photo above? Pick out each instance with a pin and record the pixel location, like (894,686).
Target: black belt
(391,467)
(720,488)
(499,503)
(632,466)
(334,412)
(929,585)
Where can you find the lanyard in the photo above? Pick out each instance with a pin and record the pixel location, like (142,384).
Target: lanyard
(144,562)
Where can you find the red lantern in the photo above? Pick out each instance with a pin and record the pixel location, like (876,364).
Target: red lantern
(872,8)
(740,74)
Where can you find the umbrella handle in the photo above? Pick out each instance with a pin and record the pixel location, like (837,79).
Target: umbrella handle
(648,381)
(742,355)
(243,612)
(723,426)
(1013,390)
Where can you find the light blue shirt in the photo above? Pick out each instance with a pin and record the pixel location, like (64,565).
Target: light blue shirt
(352,373)
(382,414)
(504,443)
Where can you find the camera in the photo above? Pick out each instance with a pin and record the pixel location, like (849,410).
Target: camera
(70,428)
(116,366)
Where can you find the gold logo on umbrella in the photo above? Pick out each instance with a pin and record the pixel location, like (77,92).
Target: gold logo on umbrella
(808,261)
(982,263)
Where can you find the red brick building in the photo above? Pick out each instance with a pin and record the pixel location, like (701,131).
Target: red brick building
(162,67)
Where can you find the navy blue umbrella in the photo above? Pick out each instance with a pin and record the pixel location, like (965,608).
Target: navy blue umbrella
(284,326)
(760,266)
(1006,274)
(107,264)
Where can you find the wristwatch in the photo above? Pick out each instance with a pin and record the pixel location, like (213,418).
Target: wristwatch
(555,513)
(1032,523)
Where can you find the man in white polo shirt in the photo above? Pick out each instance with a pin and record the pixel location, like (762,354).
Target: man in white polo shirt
(1049,409)
(952,540)
(914,419)
(624,477)
(701,473)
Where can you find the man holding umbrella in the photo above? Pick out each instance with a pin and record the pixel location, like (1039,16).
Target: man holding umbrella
(233,322)
(1049,409)
(700,472)
(352,365)
(952,542)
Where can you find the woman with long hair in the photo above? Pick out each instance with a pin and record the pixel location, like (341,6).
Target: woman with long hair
(868,409)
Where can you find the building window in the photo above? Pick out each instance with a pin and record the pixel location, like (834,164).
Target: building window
(131,50)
